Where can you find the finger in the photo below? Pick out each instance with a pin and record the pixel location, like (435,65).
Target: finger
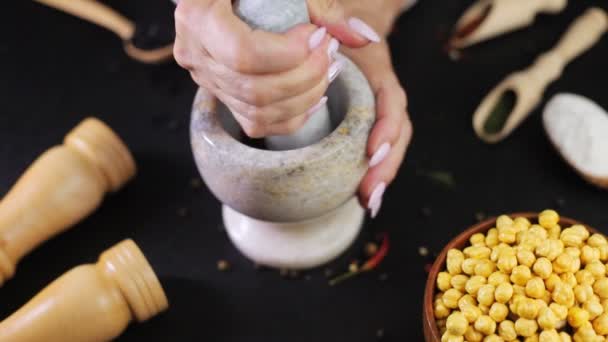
(391,107)
(281,111)
(231,41)
(351,31)
(264,90)
(382,175)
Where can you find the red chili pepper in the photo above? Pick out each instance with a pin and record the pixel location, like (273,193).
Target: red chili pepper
(369,265)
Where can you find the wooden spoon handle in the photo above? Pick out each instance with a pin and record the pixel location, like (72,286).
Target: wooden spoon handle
(583,34)
(96,13)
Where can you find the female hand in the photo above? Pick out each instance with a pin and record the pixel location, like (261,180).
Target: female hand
(271,82)
(392,132)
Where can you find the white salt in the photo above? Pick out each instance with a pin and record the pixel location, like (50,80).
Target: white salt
(578,127)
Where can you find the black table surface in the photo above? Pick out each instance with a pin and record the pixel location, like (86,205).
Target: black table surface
(57,70)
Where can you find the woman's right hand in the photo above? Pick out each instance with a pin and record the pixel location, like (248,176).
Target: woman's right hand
(271,82)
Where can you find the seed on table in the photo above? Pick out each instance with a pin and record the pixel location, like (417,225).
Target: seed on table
(370,249)
(223,265)
(422,250)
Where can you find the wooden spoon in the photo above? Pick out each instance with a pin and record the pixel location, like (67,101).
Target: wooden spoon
(489,18)
(505,107)
(102,15)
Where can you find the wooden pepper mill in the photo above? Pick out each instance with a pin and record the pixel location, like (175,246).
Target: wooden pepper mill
(64,185)
(91,303)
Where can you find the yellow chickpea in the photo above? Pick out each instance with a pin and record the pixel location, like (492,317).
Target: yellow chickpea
(542,267)
(550,249)
(474,283)
(493,338)
(456,324)
(600,324)
(466,300)
(447,337)
(492,237)
(441,311)
(454,261)
(569,279)
(506,330)
(443,281)
(563,263)
(503,221)
(530,238)
(549,336)
(548,218)
(594,308)
(506,263)
(554,232)
(581,230)
(498,278)
(471,313)
(518,289)
(520,275)
(535,288)
(600,287)
(560,311)
(484,268)
(565,337)
(571,237)
(458,282)
(563,294)
(526,327)
(603,252)
(473,335)
(551,281)
(507,234)
(589,254)
(597,240)
(586,334)
(533,338)
(477,252)
(503,292)
(584,277)
(522,223)
(450,298)
(583,293)
(525,257)
(468,266)
(498,312)
(485,325)
(485,294)
(528,308)
(575,252)
(497,251)
(547,319)
(597,269)
(577,317)
(477,239)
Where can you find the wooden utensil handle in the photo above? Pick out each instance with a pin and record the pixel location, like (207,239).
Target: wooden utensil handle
(582,34)
(96,13)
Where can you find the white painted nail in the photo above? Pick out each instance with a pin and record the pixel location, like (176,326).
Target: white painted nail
(333,47)
(318,106)
(363,29)
(380,154)
(334,70)
(316,38)
(375,200)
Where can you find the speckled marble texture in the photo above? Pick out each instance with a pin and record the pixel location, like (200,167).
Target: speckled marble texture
(292,185)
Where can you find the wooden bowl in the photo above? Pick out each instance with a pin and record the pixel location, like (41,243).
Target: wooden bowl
(431,332)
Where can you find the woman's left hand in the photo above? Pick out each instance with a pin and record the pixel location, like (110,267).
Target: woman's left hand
(392,131)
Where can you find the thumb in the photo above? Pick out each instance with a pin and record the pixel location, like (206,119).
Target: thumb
(350,31)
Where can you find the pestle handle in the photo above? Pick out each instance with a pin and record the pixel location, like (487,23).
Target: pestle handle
(92,302)
(60,188)
(279,16)
(582,34)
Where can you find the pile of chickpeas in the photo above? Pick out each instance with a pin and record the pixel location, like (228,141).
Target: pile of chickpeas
(525,281)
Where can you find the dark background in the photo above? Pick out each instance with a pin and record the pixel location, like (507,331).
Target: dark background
(55,70)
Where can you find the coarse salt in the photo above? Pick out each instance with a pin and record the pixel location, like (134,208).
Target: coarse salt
(578,128)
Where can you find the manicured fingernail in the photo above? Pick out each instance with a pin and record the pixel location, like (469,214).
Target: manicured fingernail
(380,154)
(318,106)
(316,38)
(333,46)
(363,29)
(375,200)
(334,70)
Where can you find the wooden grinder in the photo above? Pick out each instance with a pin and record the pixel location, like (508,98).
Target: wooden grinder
(91,303)
(63,186)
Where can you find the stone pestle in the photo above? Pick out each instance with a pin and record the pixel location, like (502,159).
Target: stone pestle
(279,16)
